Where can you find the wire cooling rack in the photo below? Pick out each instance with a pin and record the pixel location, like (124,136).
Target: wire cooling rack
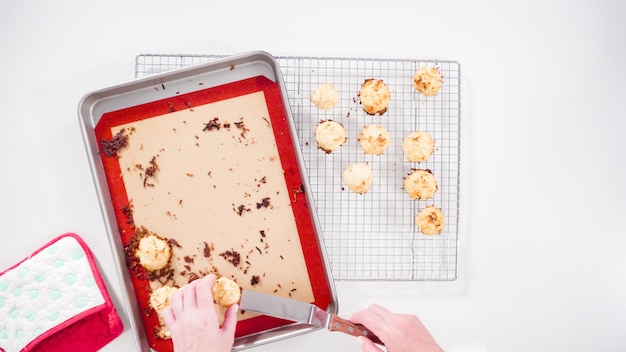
(371,236)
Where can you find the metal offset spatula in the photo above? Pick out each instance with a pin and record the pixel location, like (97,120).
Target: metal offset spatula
(301,312)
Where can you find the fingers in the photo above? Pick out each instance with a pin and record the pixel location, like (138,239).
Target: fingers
(176,304)
(193,295)
(378,319)
(371,317)
(230,320)
(204,290)
(189,295)
(380,311)
(367,345)
(168,316)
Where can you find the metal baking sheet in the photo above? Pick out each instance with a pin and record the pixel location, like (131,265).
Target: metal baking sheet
(219,138)
(371,237)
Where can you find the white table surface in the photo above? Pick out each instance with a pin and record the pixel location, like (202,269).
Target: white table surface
(543,195)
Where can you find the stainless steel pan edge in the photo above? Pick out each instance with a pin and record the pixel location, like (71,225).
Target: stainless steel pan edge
(90,110)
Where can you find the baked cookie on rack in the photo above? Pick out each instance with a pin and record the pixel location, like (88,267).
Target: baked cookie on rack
(421,184)
(428,81)
(418,146)
(358,177)
(330,135)
(226,292)
(430,220)
(153,252)
(325,96)
(374,139)
(159,300)
(374,96)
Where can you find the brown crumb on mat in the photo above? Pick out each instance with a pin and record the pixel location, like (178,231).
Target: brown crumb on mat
(112,146)
(192,277)
(232,257)
(213,124)
(127,210)
(150,173)
(265,203)
(206,251)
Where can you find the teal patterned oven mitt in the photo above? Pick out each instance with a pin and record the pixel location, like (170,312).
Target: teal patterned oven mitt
(56,300)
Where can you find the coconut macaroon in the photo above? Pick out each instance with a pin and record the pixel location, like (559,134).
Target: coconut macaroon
(153,252)
(375,96)
(421,184)
(430,220)
(374,139)
(330,135)
(418,146)
(358,177)
(428,81)
(160,299)
(325,96)
(226,292)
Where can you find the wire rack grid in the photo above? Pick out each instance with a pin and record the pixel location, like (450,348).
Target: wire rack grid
(371,236)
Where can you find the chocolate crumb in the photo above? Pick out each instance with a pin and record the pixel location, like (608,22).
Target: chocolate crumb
(151,172)
(232,257)
(265,203)
(240,209)
(173,242)
(127,210)
(193,276)
(212,125)
(255,280)
(112,146)
(207,250)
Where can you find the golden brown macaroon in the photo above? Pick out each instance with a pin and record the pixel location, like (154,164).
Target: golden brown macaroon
(153,252)
(374,139)
(325,96)
(375,96)
(418,146)
(226,292)
(358,177)
(330,135)
(430,220)
(421,184)
(428,81)
(160,299)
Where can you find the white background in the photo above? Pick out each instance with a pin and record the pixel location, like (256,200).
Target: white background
(543,197)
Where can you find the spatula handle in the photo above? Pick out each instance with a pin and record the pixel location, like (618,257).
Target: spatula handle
(350,328)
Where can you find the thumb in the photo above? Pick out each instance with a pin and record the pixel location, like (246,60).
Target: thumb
(168,317)
(230,320)
(367,345)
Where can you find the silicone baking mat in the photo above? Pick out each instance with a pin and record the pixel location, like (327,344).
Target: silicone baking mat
(371,236)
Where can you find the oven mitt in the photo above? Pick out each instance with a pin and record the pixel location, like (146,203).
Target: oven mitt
(56,300)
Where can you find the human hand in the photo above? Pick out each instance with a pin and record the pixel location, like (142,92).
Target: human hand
(399,332)
(193,321)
